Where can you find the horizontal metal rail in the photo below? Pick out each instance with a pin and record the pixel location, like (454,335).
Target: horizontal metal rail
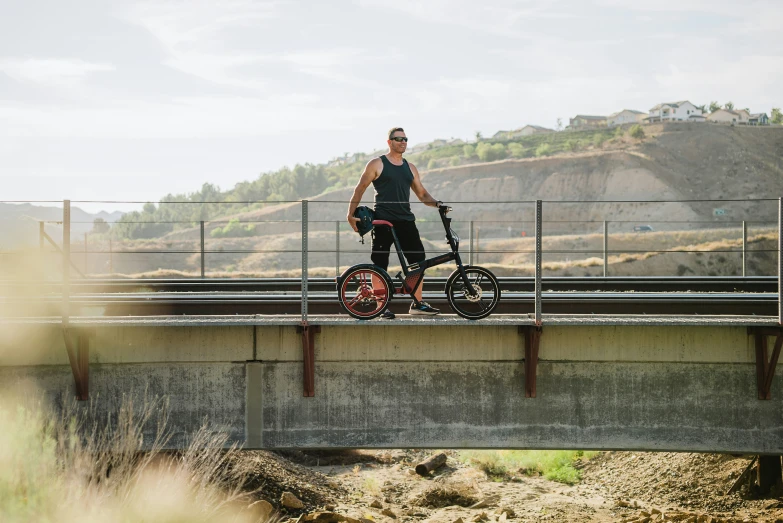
(514,284)
(175,303)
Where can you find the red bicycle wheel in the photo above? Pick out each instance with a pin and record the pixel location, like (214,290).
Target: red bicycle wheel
(364,293)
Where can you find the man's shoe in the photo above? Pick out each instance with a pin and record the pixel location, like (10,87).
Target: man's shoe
(423,308)
(388,315)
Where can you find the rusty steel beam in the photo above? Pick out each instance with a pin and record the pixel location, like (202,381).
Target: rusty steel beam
(308,356)
(77,345)
(532,336)
(766,362)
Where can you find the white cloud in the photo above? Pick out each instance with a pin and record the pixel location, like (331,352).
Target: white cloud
(52,72)
(187,117)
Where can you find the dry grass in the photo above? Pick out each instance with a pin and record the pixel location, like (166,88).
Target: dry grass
(576,254)
(76,466)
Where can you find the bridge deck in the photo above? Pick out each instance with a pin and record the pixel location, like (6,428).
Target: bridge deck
(448,320)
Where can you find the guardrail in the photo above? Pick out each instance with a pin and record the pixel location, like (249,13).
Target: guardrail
(213,241)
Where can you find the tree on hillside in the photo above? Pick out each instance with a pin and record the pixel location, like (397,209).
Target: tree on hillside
(729,106)
(559,124)
(714,106)
(99,226)
(777,116)
(478,136)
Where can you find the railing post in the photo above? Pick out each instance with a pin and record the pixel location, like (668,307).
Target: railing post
(41,236)
(470,244)
(744,247)
(202,250)
(780,261)
(539,228)
(606,248)
(304,262)
(111,258)
(478,234)
(337,247)
(66,262)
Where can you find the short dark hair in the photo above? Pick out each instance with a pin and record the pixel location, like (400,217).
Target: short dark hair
(394,130)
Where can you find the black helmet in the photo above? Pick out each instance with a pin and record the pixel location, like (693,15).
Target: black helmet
(366,216)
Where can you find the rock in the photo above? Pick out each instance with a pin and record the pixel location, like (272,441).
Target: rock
(265,508)
(324,517)
(480,517)
(330,507)
(288,500)
(388,512)
(622,503)
(376,504)
(486,502)
(502,518)
(458,520)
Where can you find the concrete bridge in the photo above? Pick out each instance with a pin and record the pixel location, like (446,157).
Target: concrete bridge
(578,382)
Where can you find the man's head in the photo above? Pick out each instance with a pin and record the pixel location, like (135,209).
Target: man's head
(397,141)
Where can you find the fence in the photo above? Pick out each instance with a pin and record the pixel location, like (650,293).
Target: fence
(539,239)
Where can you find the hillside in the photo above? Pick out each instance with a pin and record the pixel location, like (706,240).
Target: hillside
(19,222)
(673,162)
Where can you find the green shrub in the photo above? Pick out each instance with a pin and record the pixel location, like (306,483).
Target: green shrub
(490,153)
(619,132)
(556,465)
(543,150)
(598,140)
(517,150)
(468,150)
(234,230)
(637,132)
(454,161)
(432,164)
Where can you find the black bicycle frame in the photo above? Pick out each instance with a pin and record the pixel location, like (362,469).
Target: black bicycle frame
(416,269)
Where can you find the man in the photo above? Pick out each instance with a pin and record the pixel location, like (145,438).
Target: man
(393,177)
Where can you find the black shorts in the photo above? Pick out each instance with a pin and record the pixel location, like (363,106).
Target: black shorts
(410,242)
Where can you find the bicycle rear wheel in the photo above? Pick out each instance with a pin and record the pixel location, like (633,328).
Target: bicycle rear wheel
(486,296)
(363,296)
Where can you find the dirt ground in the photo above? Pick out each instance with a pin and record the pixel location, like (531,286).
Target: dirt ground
(375,486)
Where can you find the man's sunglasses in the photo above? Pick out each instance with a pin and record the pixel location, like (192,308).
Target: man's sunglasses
(399,138)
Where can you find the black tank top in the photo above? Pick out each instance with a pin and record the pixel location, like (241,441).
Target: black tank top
(393,185)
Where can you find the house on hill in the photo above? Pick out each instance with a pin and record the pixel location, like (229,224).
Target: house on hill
(531,129)
(625,116)
(682,111)
(732,116)
(758,119)
(586,121)
(524,131)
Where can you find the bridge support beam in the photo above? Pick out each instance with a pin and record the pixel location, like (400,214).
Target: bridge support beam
(77,345)
(765,362)
(532,336)
(308,356)
(768,473)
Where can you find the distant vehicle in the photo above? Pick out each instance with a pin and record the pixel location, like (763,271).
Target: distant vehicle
(642,228)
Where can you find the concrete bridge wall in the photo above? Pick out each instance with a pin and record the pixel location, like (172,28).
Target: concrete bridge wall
(426,383)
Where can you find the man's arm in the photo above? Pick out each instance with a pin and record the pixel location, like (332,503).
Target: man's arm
(371,171)
(419,190)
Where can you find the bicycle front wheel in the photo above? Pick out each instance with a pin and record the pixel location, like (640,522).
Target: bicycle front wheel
(484,299)
(364,293)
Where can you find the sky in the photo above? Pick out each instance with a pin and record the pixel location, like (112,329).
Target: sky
(126,100)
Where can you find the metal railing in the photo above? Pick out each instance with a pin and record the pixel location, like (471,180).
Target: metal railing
(488,240)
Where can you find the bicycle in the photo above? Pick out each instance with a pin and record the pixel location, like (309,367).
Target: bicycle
(365,290)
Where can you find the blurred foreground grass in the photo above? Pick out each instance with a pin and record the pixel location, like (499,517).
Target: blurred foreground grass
(555,465)
(70,466)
